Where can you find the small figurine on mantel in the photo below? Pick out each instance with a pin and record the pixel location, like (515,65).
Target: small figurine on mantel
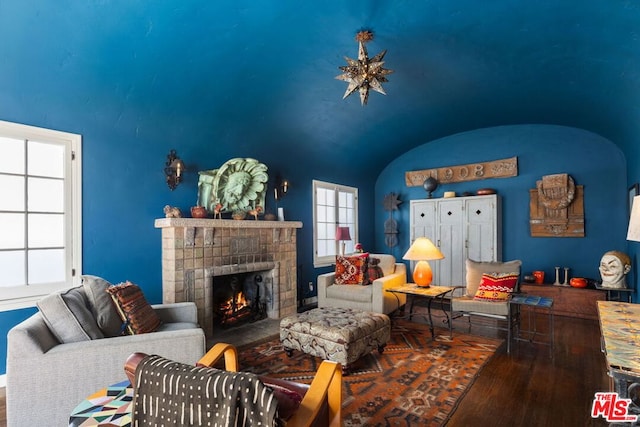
(614,267)
(172,212)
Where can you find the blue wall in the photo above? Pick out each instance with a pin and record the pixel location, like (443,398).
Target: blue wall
(591,160)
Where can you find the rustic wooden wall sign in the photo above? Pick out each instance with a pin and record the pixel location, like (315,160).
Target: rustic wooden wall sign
(504,168)
(556,207)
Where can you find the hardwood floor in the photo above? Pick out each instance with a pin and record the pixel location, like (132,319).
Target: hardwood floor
(528,388)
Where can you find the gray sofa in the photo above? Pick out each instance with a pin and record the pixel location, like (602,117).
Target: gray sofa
(47,379)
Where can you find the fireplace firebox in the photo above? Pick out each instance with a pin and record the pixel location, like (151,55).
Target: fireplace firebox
(238,299)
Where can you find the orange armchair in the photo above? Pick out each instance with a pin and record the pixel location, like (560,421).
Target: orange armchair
(321,400)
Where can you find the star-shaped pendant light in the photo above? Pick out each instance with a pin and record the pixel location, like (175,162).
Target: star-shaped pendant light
(364,73)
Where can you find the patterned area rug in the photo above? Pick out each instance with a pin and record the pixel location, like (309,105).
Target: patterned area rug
(415,381)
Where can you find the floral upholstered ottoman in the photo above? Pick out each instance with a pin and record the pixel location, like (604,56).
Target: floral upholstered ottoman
(341,335)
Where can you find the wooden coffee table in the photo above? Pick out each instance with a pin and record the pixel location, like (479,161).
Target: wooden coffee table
(413,292)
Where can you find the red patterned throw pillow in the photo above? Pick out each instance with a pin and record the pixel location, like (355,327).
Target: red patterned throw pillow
(351,270)
(134,309)
(496,286)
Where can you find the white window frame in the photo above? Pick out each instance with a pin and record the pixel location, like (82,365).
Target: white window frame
(324,261)
(23,296)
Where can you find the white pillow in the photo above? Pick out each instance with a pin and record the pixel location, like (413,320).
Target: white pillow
(475,269)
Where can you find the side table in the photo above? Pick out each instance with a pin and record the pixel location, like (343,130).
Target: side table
(413,291)
(534,304)
(110,406)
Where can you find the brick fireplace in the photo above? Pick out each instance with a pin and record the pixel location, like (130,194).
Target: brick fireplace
(196,251)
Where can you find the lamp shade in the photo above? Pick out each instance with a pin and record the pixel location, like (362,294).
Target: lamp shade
(633,233)
(342,233)
(423,250)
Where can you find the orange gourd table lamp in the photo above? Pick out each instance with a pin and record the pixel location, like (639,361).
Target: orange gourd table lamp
(423,250)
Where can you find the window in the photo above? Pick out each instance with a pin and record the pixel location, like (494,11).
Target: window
(40,213)
(333,206)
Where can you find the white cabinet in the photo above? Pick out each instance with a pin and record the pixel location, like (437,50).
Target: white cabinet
(461,227)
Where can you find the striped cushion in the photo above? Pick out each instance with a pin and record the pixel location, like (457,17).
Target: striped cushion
(133,308)
(496,286)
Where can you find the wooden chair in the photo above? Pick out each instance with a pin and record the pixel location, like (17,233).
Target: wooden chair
(321,400)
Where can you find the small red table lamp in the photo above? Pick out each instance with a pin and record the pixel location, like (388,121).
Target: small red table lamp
(342,234)
(423,250)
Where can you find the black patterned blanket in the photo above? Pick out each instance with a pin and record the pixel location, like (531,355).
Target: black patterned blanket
(177,394)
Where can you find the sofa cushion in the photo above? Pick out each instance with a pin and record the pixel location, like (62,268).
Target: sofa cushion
(134,310)
(102,306)
(176,326)
(351,270)
(471,305)
(68,316)
(350,293)
(496,286)
(475,269)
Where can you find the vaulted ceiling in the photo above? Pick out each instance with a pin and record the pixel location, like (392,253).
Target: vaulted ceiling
(253,74)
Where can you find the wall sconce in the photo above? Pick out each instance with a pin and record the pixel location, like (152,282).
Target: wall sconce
(282,188)
(173,170)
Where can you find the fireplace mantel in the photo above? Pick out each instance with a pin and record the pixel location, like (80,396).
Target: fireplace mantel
(224,223)
(194,250)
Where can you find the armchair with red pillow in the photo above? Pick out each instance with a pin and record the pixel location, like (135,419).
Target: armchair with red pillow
(360,281)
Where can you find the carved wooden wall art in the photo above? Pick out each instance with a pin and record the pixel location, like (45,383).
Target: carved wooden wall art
(556,207)
(503,168)
(391,202)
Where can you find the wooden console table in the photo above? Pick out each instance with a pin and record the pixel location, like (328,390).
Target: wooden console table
(569,301)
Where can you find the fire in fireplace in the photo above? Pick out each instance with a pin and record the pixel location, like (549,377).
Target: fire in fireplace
(238,299)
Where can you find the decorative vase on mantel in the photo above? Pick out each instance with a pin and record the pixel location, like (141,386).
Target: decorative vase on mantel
(198,212)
